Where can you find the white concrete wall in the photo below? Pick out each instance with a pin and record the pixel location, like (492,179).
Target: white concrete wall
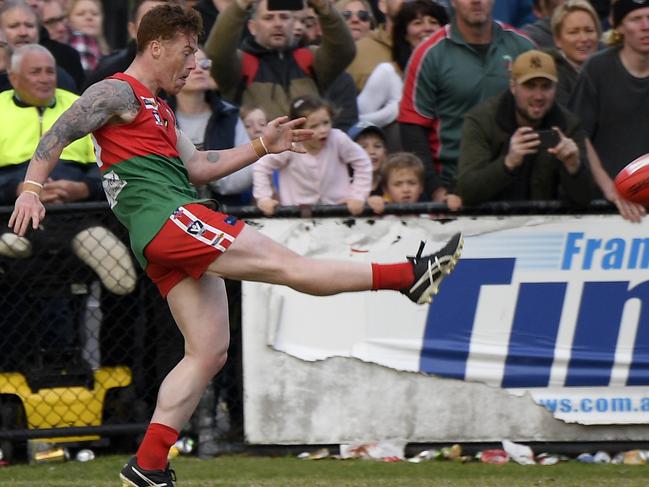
(292,401)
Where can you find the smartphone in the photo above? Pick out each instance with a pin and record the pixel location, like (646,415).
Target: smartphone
(549,138)
(285,4)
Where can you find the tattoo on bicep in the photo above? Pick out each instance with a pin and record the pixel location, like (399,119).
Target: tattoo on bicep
(100,103)
(213,156)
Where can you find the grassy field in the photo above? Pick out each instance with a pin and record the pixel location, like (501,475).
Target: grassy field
(246,471)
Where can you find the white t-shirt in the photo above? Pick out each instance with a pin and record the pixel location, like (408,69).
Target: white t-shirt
(378,103)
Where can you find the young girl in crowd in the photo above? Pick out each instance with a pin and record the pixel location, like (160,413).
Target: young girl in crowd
(402,181)
(319,172)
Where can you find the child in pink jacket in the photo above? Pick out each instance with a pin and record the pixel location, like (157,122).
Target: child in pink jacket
(321,174)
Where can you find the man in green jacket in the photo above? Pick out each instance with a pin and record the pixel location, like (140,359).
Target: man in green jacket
(522,145)
(269,70)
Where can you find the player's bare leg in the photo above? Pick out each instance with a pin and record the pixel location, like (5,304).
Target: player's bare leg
(255,257)
(200,309)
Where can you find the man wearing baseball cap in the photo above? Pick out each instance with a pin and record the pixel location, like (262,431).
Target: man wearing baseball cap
(522,145)
(611,99)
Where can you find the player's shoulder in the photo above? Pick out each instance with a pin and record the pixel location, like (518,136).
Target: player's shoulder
(113,85)
(111,91)
(113,97)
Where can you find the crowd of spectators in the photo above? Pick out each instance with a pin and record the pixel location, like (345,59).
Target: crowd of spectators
(433,78)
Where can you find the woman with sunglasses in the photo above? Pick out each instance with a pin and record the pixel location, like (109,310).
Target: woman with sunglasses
(378,102)
(358,17)
(212,124)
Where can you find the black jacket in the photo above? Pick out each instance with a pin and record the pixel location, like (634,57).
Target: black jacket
(483,176)
(208,13)
(220,130)
(219,135)
(116,62)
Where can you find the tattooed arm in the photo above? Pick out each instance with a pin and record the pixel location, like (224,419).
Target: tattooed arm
(109,101)
(206,166)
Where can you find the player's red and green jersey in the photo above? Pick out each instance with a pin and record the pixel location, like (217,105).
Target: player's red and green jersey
(446,77)
(143,176)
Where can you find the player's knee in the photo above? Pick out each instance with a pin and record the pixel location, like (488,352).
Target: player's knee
(215,362)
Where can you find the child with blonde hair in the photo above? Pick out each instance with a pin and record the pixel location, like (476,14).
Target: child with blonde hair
(402,181)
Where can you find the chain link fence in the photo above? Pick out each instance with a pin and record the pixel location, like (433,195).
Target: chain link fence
(86,339)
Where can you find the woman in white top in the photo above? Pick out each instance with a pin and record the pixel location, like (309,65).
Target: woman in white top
(378,103)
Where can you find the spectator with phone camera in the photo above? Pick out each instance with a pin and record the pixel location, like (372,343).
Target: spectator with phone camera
(522,145)
(269,69)
(458,67)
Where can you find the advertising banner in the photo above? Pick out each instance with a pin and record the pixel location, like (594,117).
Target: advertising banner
(557,306)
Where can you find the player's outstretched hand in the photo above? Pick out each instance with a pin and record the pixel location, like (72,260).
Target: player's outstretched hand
(281,134)
(28,209)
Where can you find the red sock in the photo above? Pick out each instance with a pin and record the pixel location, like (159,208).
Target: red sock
(152,454)
(392,276)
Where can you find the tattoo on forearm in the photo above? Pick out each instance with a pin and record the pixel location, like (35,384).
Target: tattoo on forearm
(99,104)
(213,156)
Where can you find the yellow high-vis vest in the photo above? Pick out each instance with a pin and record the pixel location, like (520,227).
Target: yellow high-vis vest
(21,129)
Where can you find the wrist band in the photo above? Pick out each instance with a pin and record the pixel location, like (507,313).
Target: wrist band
(30,181)
(261,139)
(32,187)
(259,147)
(31,192)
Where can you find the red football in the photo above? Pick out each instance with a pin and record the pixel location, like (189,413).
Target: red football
(632,182)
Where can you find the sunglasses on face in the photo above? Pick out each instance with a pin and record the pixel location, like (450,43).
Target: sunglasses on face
(204,64)
(362,15)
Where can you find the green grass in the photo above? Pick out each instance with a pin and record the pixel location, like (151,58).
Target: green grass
(247,471)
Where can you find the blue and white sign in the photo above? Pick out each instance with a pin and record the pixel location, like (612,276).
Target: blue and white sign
(557,306)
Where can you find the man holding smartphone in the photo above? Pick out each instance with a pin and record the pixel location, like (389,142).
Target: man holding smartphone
(268,70)
(522,145)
